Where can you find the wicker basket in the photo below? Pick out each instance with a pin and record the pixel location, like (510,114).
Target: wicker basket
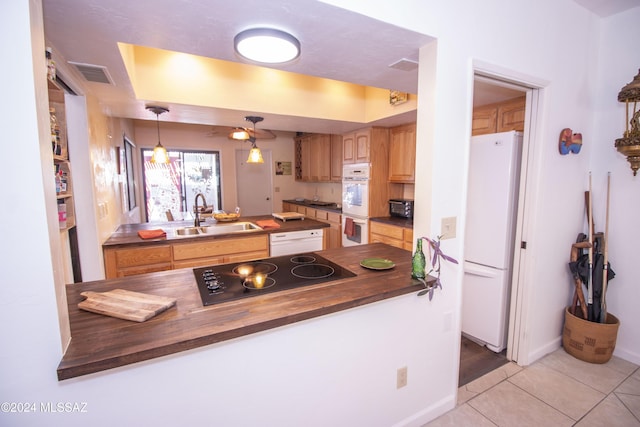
(590,341)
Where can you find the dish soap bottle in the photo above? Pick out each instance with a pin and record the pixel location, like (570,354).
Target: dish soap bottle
(418,262)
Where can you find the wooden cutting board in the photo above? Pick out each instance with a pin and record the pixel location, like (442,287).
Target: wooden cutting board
(284,216)
(126,305)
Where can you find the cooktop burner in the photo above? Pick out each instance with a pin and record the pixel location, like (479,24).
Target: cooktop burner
(228,282)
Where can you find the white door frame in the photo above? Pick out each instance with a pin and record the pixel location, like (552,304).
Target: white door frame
(518,342)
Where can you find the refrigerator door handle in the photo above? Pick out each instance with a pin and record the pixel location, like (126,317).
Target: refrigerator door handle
(480,270)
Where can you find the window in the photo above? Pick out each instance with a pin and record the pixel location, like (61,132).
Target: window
(174,186)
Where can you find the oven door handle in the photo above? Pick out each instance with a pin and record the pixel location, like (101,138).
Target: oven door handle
(359,221)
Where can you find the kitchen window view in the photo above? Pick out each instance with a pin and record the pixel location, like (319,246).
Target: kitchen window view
(174,186)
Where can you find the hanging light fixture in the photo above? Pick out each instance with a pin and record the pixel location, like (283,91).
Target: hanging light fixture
(266,45)
(159,152)
(255,156)
(629,144)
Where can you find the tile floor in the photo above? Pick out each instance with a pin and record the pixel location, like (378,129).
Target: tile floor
(557,390)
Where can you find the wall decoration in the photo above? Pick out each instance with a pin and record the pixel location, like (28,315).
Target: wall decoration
(569,142)
(283,168)
(397,97)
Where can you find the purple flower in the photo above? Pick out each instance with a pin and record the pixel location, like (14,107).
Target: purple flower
(436,259)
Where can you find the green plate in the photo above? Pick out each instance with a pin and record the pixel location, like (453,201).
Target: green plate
(377,263)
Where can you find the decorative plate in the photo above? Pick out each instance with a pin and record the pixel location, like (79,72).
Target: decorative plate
(377,263)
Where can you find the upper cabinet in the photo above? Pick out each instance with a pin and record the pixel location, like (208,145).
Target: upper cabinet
(501,117)
(402,153)
(356,146)
(319,158)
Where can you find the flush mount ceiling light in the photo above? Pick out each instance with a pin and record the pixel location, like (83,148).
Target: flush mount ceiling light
(255,156)
(629,144)
(266,45)
(159,152)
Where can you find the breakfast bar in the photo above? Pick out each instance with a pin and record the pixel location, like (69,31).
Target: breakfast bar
(100,342)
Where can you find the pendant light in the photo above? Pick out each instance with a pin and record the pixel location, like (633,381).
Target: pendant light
(255,156)
(159,152)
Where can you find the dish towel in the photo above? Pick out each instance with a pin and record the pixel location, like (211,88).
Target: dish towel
(152,234)
(267,224)
(349,227)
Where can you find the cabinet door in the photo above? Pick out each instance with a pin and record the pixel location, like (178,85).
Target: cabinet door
(349,148)
(361,146)
(324,157)
(484,120)
(511,115)
(402,154)
(336,158)
(305,158)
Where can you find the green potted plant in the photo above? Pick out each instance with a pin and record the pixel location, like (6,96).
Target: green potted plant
(436,257)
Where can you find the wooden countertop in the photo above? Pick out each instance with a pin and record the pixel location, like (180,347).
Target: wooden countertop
(323,206)
(394,220)
(100,342)
(127,234)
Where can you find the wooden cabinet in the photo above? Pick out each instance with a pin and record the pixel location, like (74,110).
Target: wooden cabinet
(219,251)
(127,261)
(400,237)
(136,260)
(500,117)
(402,153)
(333,234)
(336,158)
(316,158)
(356,146)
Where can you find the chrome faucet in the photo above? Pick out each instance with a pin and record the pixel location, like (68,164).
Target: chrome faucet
(196,211)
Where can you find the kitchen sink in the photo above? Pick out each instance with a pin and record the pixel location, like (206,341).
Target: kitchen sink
(214,229)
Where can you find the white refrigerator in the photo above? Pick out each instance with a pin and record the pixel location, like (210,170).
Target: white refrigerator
(494,171)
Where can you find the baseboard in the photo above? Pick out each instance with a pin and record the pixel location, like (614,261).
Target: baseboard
(540,352)
(429,413)
(627,355)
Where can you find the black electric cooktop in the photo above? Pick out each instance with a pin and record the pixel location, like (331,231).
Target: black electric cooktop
(228,282)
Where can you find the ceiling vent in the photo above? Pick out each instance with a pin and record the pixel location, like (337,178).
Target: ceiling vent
(94,73)
(405,65)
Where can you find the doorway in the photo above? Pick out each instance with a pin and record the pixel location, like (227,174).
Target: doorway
(475,360)
(254,184)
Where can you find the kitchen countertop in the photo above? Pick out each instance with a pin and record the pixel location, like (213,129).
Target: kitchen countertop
(101,342)
(394,220)
(127,234)
(325,206)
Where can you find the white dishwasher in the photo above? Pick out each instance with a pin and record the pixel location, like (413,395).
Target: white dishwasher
(295,242)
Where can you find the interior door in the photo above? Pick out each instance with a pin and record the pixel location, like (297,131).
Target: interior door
(254,184)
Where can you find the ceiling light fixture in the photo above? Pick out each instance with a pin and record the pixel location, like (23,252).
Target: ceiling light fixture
(629,144)
(266,45)
(159,152)
(255,156)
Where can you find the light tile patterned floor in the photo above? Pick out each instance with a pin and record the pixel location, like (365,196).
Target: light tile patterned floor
(558,390)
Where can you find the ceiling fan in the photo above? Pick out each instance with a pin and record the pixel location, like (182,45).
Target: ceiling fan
(229,130)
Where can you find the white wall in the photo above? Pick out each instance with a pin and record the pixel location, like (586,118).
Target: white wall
(618,64)
(537,45)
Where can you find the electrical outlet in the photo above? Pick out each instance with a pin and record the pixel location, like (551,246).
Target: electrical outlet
(448,227)
(402,377)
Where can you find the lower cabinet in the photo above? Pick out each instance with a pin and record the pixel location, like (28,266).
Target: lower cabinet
(392,235)
(128,261)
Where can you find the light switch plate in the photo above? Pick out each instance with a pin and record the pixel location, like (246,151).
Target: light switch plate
(448,228)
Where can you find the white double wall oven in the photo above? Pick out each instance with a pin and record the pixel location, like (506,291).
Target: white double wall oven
(355,204)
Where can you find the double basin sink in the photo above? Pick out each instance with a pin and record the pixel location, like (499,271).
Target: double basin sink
(214,229)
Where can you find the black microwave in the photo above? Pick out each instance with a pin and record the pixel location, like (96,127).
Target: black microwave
(401,207)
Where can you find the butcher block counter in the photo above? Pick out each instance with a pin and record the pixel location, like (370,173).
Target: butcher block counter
(100,342)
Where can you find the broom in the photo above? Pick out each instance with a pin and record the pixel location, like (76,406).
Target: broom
(605,267)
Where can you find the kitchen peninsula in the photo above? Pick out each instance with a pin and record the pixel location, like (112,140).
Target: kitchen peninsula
(100,342)
(126,254)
